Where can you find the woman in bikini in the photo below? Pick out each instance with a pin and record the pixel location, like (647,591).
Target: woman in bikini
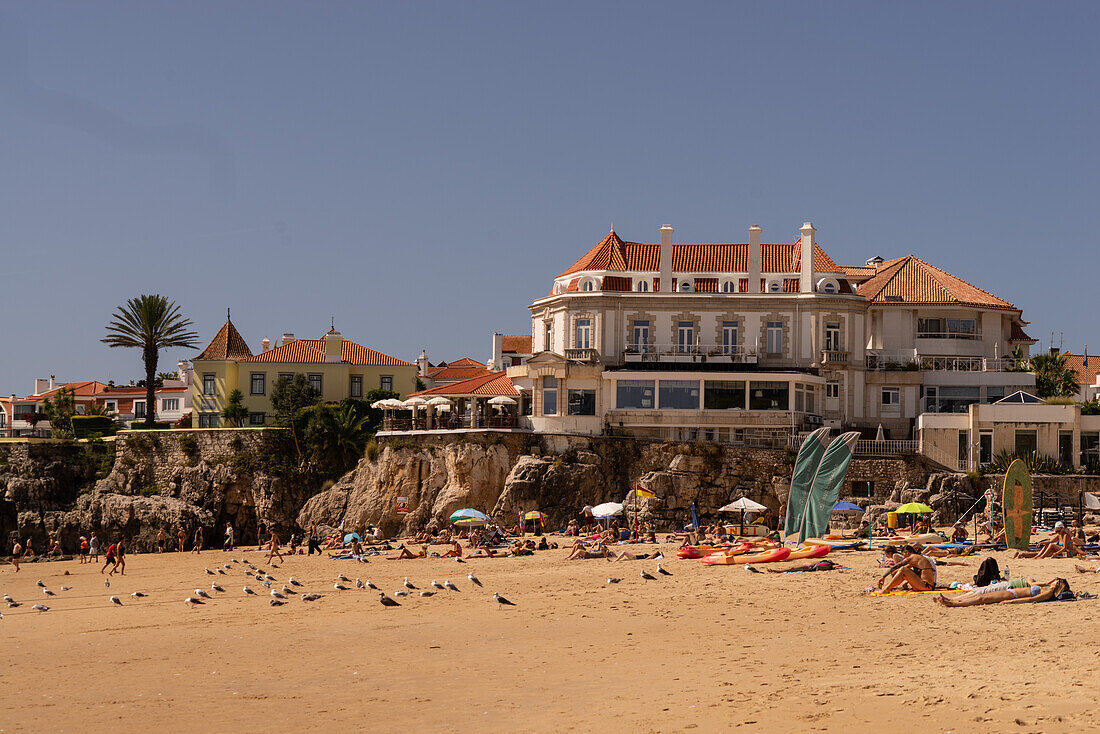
(1012,595)
(918,571)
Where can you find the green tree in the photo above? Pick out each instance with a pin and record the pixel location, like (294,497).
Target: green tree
(336,436)
(1053,377)
(288,397)
(60,411)
(234,412)
(375,415)
(150,323)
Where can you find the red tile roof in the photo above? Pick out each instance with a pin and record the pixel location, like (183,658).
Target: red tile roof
(616,283)
(313,351)
(909,279)
(490,385)
(858,273)
(1019,335)
(517,343)
(86,389)
(613,253)
(226,344)
(457,373)
(464,362)
(1085,375)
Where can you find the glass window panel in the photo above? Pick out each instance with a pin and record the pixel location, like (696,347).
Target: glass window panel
(582,402)
(634,394)
(724,395)
(766,395)
(679,394)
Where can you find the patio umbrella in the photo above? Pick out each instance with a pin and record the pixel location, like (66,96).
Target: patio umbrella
(379,404)
(502,400)
(743,504)
(843,506)
(414,402)
(439,402)
(879,434)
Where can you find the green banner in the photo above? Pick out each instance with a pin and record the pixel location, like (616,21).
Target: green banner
(826,485)
(805,466)
(1016,506)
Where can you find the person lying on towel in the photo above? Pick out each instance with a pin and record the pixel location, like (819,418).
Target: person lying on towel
(1011,592)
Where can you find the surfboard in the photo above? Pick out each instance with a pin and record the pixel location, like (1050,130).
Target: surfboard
(1016,506)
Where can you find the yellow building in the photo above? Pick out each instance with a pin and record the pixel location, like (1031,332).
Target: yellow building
(336,367)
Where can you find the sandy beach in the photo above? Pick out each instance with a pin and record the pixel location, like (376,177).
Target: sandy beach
(715,648)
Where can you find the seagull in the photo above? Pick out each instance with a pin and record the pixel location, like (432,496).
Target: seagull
(662,571)
(107,583)
(47,592)
(370,585)
(473,579)
(427,593)
(293,581)
(342,577)
(648,576)
(276,603)
(226,566)
(41,607)
(339,587)
(266,583)
(311,597)
(612,580)
(408,584)
(386,601)
(8,599)
(66,588)
(269,577)
(277,594)
(40,584)
(359,584)
(249,591)
(14,604)
(448,584)
(502,601)
(203,594)
(193,600)
(138,595)
(437,585)
(400,593)
(215,587)
(209,571)
(221,571)
(658,556)
(115,600)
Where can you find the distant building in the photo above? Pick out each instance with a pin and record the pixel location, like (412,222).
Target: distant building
(510,350)
(446,373)
(338,368)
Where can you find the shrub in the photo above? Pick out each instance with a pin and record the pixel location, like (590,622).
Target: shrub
(1035,463)
(86,425)
(372,451)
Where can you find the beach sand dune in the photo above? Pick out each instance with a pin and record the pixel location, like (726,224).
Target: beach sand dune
(710,647)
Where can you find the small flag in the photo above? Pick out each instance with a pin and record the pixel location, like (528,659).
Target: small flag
(641,491)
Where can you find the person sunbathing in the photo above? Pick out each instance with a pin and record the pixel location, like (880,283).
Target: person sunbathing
(581,553)
(1013,595)
(628,556)
(1059,545)
(455,551)
(821,565)
(917,572)
(949,552)
(406,553)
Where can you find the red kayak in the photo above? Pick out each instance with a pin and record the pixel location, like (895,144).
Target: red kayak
(769,556)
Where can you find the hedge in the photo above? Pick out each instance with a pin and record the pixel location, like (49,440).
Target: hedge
(86,425)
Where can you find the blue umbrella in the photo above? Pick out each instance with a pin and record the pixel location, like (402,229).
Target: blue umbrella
(843,506)
(352,536)
(469,517)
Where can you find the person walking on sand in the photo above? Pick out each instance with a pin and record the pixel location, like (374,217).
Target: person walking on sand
(274,542)
(312,540)
(93,548)
(196,546)
(181,536)
(84,550)
(16,551)
(162,540)
(228,544)
(112,550)
(261,533)
(120,557)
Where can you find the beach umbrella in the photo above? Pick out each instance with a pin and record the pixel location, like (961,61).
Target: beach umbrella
(694,517)
(469,517)
(914,508)
(502,400)
(439,401)
(352,536)
(743,504)
(535,515)
(844,506)
(607,509)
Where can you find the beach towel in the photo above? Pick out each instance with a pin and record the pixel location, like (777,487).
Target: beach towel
(903,592)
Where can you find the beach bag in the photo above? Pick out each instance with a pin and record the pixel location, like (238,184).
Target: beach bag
(988,573)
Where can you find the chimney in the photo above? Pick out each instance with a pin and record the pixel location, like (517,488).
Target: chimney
(666,258)
(265,344)
(41,385)
(497,360)
(806,274)
(184,371)
(754,259)
(334,346)
(287,339)
(53,382)
(422,363)
(875,262)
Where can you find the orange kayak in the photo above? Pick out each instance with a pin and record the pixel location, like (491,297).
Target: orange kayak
(813,551)
(768,556)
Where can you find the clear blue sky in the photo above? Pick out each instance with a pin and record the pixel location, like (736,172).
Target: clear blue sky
(422,171)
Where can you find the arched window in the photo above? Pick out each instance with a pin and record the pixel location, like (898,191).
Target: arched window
(588,284)
(642,285)
(557,289)
(828,285)
(729,286)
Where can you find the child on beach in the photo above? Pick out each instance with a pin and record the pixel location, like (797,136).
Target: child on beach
(274,543)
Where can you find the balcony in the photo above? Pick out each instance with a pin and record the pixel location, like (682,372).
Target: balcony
(583,355)
(446,422)
(834,358)
(687,354)
(975,334)
(909,360)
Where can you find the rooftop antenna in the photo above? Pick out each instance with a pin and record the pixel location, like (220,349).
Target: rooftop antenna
(227,318)
(332,322)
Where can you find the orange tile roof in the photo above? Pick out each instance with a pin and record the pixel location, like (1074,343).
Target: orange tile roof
(464,362)
(613,253)
(517,343)
(858,273)
(1018,334)
(226,344)
(313,351)
(490,385)
(616,283)
(85,389)
(909,279)
(1085,375)
(457,373)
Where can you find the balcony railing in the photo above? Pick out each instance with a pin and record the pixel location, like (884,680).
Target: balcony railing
(444,422)
(586,355)
(908,360)
(834,357)
(976,334)
(643,353)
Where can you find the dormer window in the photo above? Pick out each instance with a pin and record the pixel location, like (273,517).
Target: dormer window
(729,286)
(557,289)
(775,286)
(685,287)
(588,285)
(828,285)
(641,285)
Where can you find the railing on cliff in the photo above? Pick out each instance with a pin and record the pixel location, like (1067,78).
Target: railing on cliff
(872,448)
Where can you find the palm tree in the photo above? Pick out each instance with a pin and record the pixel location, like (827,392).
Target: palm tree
(1053,377)
(150,323)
